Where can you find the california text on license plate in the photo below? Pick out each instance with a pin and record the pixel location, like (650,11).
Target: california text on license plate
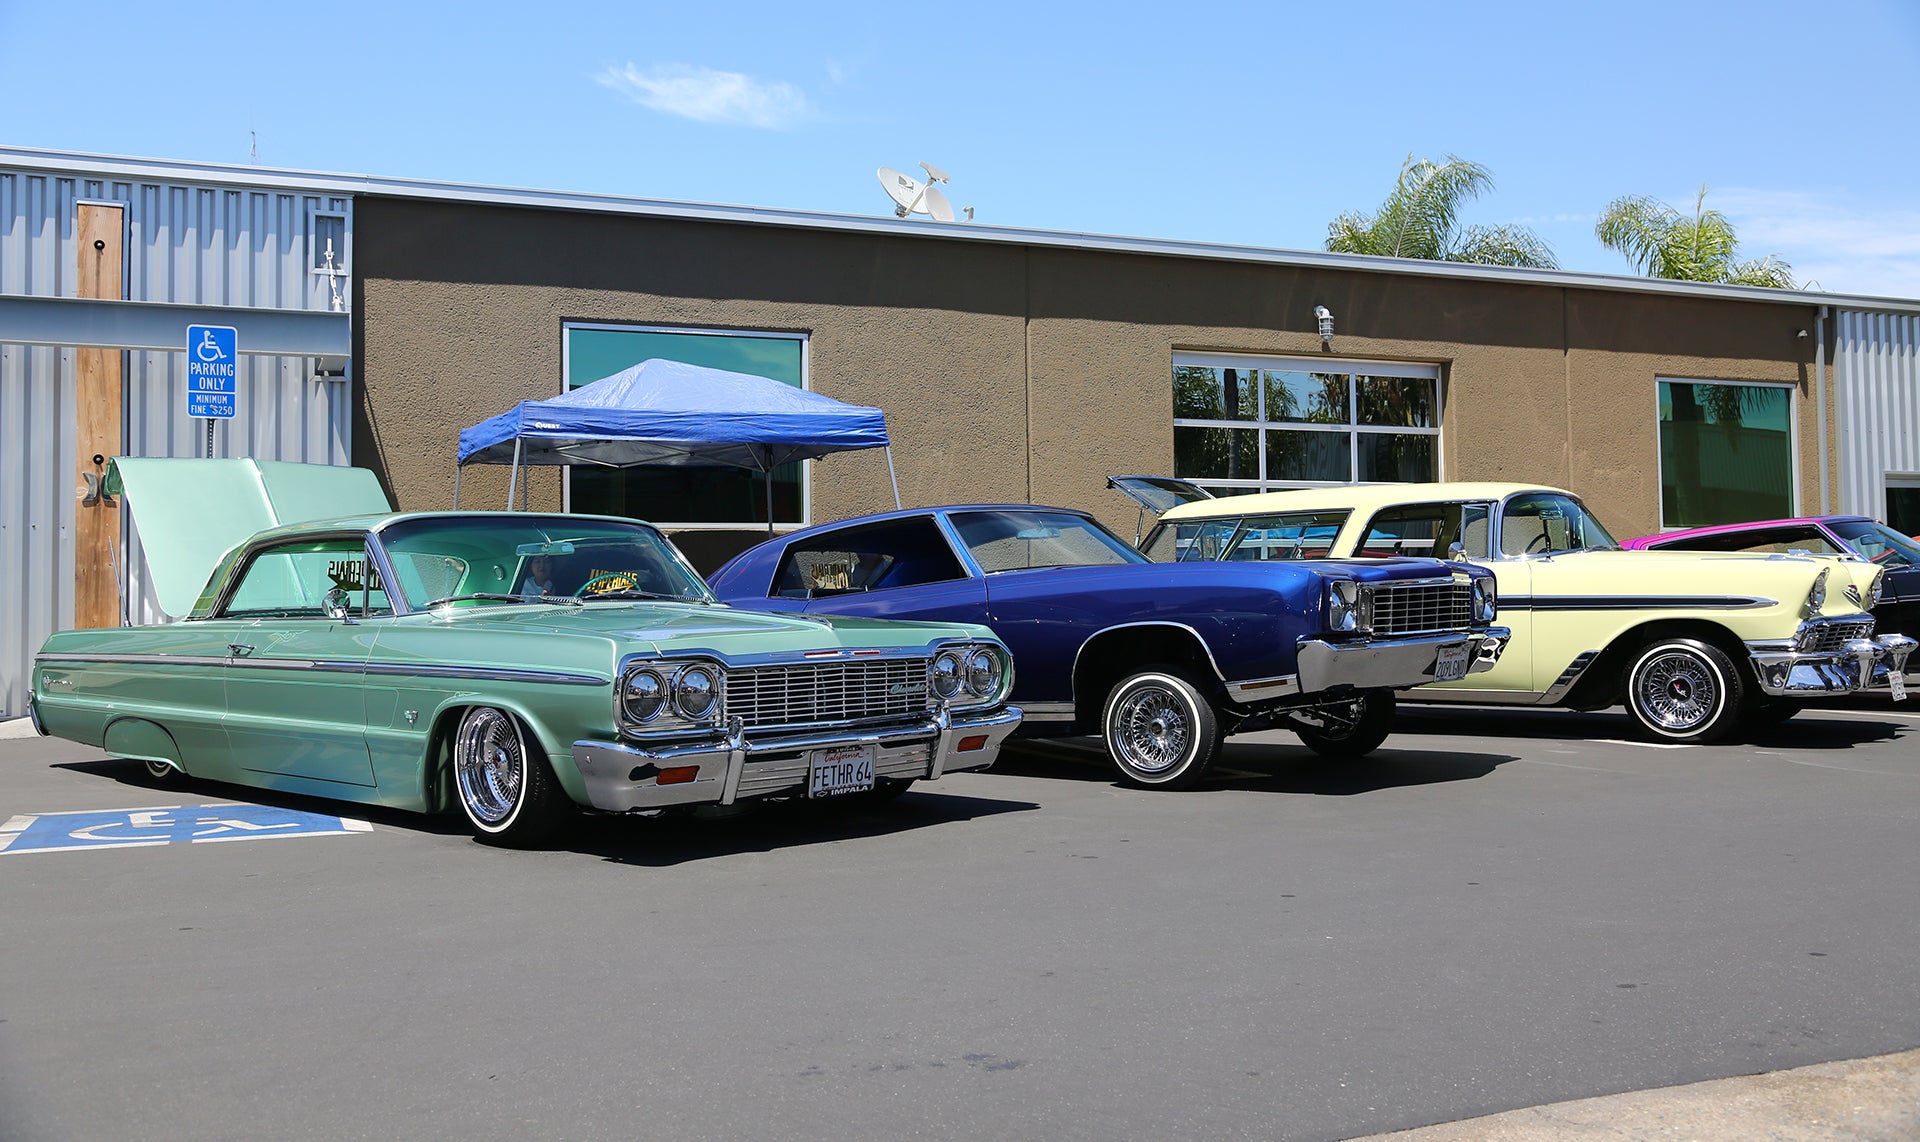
(1451,663)
(842,769)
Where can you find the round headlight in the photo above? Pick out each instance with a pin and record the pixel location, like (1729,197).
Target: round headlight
(983,672)
(644,694)
(1872,597)
(1486,600)
(1343,604)
(946,673)
(1817,597)
(696,691)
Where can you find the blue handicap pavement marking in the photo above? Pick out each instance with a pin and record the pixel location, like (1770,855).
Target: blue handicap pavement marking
(166,825)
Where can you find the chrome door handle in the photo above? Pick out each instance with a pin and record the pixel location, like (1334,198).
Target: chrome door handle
(239,649)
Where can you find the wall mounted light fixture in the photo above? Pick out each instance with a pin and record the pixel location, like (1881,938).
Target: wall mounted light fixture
(1325,317)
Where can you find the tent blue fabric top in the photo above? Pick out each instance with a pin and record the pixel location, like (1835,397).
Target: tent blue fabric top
(666,412)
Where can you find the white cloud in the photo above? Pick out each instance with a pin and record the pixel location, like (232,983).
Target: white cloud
(709,96)
(1844,247)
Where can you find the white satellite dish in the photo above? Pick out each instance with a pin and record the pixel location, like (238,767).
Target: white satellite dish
(905,192)
(911,196)
(937,205)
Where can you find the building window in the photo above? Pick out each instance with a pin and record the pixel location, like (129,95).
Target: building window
(1903,504)
(685,497)
(1249,424)
(1726,452)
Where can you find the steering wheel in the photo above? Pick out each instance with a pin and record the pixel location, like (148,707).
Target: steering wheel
(630,580)
(1541,540)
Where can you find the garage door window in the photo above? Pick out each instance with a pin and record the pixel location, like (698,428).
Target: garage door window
(1726,452)
(1249,424)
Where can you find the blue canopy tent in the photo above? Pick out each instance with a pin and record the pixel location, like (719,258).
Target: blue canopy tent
(662,412)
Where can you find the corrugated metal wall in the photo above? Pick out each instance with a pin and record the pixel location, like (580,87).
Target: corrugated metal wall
(189,244)
(1876,361)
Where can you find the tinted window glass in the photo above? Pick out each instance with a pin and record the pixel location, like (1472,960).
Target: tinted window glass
(292,581)
(875,557)
(1880,543)
(1011,540)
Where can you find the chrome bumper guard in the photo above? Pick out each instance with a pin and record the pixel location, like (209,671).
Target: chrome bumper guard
(621,778)
(33,718)
(1861,664)
(1371,664)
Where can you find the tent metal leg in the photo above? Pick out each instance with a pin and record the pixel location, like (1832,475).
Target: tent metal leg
(893,479)
(513,481)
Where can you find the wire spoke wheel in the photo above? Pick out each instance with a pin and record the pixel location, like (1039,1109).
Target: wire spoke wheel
(1151,730)
(503,785)
(1678,691)
(1161,730)
(1684,689)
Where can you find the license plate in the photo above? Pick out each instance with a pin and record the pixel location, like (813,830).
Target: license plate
(842,769)
(1451,663)
(1899,685)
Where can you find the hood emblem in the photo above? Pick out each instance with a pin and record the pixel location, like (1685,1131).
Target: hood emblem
(1853,594)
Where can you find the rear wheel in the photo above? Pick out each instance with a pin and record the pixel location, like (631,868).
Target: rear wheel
(1683,690)
(1161,730)
(1348,729)
(159,772)
(506,791)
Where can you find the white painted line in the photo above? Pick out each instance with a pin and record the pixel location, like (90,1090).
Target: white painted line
(1643,745)
(278,836)
(18,824)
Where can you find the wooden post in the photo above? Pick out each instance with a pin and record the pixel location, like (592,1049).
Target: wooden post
(99,230)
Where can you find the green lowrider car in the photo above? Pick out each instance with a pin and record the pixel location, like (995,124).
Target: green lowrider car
(513,665)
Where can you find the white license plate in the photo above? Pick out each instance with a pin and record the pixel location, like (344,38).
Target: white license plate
(842,769)
(1899,685)
(1451,663)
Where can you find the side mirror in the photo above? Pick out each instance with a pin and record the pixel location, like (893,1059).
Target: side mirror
(336,604)
(1457,551)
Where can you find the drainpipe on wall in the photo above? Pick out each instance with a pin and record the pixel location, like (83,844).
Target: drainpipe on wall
(1820,405)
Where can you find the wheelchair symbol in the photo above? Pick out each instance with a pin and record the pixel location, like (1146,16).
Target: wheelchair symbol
(208,349)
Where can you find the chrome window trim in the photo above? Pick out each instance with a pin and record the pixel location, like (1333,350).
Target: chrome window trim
(253,550)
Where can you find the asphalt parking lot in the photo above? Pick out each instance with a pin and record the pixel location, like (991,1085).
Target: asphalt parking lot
(1498,910)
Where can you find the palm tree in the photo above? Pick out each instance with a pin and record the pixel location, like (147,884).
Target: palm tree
(1421,219)
(1661,242)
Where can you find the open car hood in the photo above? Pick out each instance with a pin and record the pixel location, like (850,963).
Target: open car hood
(192,512)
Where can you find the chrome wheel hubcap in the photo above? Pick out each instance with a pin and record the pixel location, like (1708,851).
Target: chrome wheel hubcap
(489,765)
(1677,691)
(1152,733)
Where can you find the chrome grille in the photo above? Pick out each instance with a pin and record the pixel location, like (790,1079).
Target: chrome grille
(1828,637)
(1422,608)
(813,693)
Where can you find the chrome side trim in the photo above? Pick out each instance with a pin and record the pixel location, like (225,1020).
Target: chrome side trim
(381,669)
(1215,666)
(1474,697)
(1255,689)
(146,659)
(1568,677)
(1633,603)
(1048,711)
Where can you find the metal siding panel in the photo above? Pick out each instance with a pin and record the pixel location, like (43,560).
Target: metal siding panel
(1877,375)
(185,243)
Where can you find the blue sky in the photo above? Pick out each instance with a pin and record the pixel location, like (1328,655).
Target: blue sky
(1250,124)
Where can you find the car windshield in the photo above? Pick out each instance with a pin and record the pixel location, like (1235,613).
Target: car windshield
(530,557)
(1256,538)
(1879,543)
(1546,523)
(1012,540)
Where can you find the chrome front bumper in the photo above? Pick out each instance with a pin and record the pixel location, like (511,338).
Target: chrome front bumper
(1861,664)
(620,778)
(1371,664)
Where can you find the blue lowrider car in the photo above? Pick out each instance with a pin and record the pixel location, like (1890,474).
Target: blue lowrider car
(1162,660)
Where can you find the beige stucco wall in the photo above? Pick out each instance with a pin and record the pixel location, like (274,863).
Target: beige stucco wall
(1010,372)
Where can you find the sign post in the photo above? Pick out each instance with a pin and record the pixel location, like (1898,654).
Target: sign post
(213,355)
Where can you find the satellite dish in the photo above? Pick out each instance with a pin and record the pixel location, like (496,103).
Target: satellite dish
(937,205)
(905,192)
(911,196)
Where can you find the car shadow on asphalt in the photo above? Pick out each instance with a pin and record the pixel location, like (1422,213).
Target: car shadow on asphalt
(660,841)
(1264,766)
(1811,729)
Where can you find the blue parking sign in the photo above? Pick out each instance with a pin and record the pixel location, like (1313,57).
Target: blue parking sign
(213,356)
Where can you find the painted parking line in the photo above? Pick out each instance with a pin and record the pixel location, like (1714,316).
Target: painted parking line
(75,830)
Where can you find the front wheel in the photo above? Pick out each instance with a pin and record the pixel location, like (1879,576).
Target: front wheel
(1683,690)
(506,791)
(1349,729)
(1161,730)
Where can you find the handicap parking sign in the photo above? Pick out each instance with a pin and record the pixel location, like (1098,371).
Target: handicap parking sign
(166,825)
(213,355)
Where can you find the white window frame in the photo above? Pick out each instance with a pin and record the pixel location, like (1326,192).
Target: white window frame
(316,250)
(1354,368)
(1793,442)
(806,384)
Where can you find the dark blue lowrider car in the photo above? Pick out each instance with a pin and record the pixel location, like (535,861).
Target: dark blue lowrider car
(1162,659)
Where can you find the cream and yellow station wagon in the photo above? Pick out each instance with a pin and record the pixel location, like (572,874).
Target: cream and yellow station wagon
(1691,643)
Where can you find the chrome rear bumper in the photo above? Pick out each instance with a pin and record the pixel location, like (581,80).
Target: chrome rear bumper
(1392,662)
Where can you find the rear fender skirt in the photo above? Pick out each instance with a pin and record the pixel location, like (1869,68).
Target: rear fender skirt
(142,740)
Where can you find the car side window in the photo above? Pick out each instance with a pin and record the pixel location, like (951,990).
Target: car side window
(1429,530)
(875,557)
(293,580)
